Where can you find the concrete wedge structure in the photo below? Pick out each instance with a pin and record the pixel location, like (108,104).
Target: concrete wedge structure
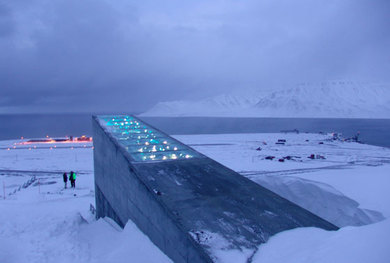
(189,205)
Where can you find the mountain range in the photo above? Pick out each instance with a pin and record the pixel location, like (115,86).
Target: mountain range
(333,99)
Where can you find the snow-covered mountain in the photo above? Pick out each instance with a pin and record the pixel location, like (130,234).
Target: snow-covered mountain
(335,99)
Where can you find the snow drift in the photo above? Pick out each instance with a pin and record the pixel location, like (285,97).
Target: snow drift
(321,199)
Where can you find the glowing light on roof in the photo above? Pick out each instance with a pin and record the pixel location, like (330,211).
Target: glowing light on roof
(143,142)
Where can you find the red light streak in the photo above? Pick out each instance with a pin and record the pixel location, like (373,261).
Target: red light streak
(82,139)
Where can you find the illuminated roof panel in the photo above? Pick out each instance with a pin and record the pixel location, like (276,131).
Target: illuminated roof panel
(143,142)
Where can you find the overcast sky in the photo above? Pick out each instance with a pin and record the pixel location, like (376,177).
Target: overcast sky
(126,55)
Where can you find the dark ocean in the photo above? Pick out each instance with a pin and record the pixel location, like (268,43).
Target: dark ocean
(372,131)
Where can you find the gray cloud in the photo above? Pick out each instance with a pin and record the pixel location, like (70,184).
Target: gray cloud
(69,55)
(6,21)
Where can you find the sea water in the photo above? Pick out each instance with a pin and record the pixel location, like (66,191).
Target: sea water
(372,131)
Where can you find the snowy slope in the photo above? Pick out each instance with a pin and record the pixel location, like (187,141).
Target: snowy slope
(214,106)
(348,245)
(337,99)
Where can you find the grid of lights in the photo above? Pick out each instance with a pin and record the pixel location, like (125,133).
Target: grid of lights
(143,142)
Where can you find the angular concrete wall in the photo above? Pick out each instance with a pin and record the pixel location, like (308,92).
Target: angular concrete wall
(122,195)
(180,203)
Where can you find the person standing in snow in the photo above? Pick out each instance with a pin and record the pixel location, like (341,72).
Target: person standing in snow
(65,176)
(72,178)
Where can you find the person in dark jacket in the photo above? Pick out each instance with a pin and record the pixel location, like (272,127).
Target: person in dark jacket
(72,178)
(65,176)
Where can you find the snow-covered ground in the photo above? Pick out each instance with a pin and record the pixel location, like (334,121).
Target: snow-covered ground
(346,183)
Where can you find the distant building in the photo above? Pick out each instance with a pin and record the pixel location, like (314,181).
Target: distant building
(183,200)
